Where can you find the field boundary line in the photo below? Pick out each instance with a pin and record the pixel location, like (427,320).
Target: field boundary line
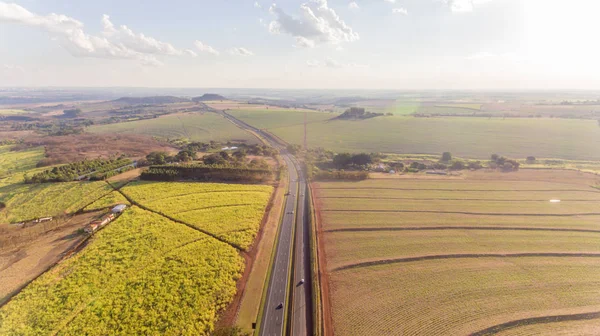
(536,320)
(239,248)
(483,228)
(465,256)
(468,213)
(219,206)
(206,192)
(453,199)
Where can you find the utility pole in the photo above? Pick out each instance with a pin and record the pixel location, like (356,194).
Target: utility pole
(305,142)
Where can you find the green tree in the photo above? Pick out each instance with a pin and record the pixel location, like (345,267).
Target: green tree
(156,158)
(342,160)
(446,157)
(73,113)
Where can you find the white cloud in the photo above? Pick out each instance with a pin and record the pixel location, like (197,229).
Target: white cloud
(390,1)
(353,5)
(137,41)
(488,56)
(302,42)
(13,68)
(463,6)
(205,48)
(190,52)
(402,11)
(257,5)
(114,43)
(313,63)
(241,52)
(317,23)
(331,63)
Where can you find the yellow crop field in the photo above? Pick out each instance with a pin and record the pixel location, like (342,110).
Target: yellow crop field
(30,201)
(141,275)
(232,212)
(450,256)
(107,201)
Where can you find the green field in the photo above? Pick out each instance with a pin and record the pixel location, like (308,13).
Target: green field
(13,162)
(141,275)
(371,227)
(453,110)
(232,212)
(472,106)
(193,127)
(402,108)
(467,137)
(12,112)
(273,119)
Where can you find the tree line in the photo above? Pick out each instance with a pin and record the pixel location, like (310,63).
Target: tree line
(75,170)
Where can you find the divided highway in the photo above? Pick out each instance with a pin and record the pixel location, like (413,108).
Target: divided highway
(288,293)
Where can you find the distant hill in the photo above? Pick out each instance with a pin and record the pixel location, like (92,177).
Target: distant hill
(208,97)
(357,113)
(151,100)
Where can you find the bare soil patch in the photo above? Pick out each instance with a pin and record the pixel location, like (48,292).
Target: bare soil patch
(22,262)
(63,149)
(548,175)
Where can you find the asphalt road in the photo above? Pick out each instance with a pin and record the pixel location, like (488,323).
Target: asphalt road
(301,316)
(281,283)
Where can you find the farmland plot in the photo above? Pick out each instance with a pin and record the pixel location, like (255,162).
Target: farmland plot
(468,137)
(454,257)
(194,127)
(232,212)
(30,201)
(142,274)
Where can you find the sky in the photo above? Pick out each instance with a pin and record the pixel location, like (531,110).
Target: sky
(305,44)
